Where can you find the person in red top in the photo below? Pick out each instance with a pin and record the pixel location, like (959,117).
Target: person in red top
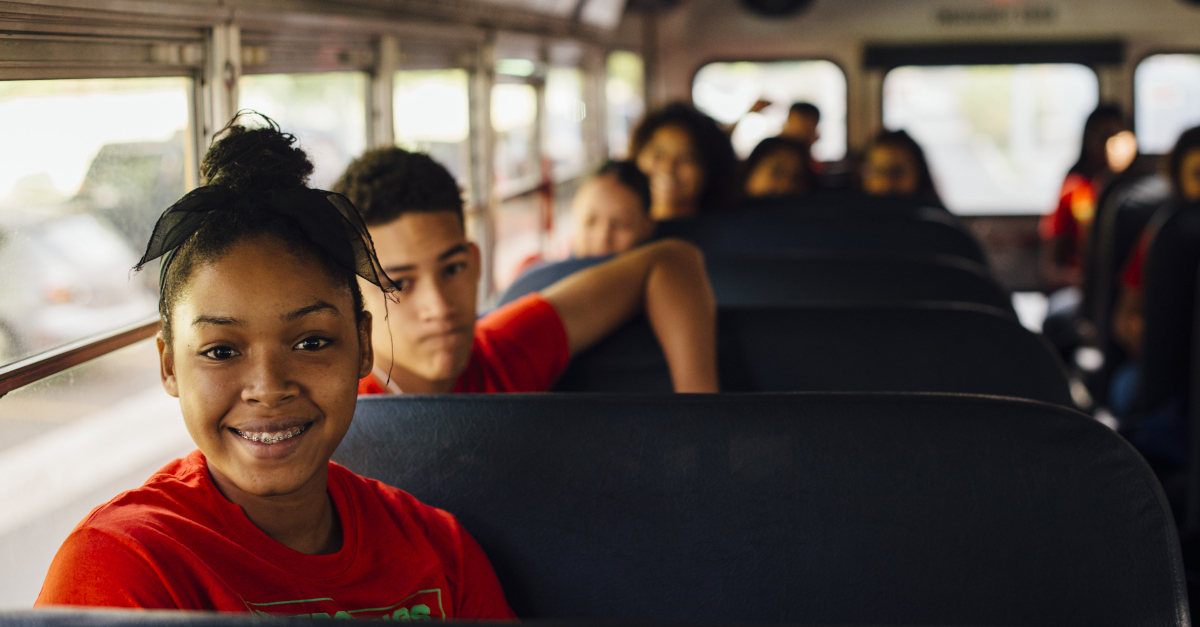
(264,338)
(1108,147)
(1183,171)
(431,342)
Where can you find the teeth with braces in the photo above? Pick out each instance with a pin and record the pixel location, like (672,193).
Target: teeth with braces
(272,438)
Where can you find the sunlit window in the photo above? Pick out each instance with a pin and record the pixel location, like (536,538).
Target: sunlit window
(432,115)
(728,91)
(626,104)
(327,112)
(86,167)
(999,139)
(514,121)
(1166,89)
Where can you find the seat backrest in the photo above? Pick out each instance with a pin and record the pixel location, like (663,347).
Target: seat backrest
(825,228)
(901,348)
(1120,219)
(800,278)
(807,508)
(1168,285)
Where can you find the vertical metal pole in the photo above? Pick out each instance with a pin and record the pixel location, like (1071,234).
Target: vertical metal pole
(545,168)
(482,204)
(380,89)
(595,99)
(218,89)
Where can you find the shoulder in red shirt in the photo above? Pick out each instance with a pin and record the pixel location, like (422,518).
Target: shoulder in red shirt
(520,347)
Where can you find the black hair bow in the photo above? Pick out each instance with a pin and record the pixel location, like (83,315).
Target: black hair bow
(328,219)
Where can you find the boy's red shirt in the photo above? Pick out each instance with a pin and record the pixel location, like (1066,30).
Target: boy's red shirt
(520,347)
(177,543)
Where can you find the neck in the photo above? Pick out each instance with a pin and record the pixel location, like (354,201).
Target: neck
(404,381)
(304,521)
(668,211)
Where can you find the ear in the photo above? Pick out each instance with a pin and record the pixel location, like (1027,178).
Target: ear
(366,355)
(166,365)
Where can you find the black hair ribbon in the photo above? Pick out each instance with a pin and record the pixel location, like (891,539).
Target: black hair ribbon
(326,218)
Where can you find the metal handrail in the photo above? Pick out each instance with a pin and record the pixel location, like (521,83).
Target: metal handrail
(32,369)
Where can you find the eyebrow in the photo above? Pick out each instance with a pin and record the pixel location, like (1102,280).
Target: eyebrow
(292,316)
(450,252)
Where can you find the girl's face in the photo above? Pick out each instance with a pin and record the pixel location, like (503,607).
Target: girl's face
(609,218)
(1189,175)
(890,170)
(673,164)
(265,360)
(778,174)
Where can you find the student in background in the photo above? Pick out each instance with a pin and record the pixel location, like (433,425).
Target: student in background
(778,166)
(801,124)
(431,342)
(894,164)
(611,211)
(1128,323)
(688,159)
(264,339)
(1107,148)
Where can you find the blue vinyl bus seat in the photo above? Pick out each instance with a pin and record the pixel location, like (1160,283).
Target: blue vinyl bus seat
(799,278)
(843,348)
(883,509)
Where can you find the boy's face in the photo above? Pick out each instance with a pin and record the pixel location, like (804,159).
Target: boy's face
(265,360)
(609,218)
(425,340)
(800,127)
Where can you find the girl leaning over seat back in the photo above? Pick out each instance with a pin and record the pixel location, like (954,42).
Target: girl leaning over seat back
(263,341)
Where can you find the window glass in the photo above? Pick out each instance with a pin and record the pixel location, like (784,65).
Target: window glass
(1166,89)
(514,121)
(999,139)
(625,93)
(727,91)
(86,167)
(432,115)
(565,112)
(327,112)
(71,442)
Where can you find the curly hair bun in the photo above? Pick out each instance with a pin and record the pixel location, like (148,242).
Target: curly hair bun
(255,159)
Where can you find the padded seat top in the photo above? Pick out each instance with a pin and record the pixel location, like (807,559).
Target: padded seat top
(898,509)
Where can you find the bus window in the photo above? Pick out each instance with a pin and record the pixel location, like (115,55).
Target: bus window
(86,166)
(999,138)
(727,91)
(431,115)
(514,121)
(626,103)
(1166,90)
(327,112)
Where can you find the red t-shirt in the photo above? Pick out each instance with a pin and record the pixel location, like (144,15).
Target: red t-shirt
(520,347)
(1131,276)
(1075,210)
(177,543)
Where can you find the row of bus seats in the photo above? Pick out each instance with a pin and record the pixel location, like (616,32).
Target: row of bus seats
(821,318)
(802,508)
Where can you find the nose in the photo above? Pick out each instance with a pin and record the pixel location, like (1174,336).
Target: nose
(269,383)
(432,302)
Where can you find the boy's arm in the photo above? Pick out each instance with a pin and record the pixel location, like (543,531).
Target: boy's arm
(664,279)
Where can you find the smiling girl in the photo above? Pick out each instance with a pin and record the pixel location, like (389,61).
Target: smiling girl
(263,341)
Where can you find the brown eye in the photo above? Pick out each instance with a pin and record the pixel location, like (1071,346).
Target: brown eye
(312,343)
(220,353)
